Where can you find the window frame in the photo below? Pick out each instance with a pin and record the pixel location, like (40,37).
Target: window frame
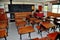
(57,8)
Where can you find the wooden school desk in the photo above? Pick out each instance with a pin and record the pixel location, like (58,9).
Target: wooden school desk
(53,35)
(25,30)
(47,25)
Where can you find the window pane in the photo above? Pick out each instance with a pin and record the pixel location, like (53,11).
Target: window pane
(45,8)
(59,6)
(54,6)
(59,11)
(54,10)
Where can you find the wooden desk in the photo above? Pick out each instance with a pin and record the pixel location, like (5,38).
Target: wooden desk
(3,25)
(3,34)
(26,29)
(47,25)
(21,23)
(37,21)
(32,19)
(53,35)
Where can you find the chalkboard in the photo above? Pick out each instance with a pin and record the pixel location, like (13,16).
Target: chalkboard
(20,7)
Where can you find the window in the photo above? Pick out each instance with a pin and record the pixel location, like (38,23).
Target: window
(59,9)
(45,8)
(56,8)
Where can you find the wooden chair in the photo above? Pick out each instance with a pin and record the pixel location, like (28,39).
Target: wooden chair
(3,34)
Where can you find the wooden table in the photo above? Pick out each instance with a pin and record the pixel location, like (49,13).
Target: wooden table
(24,30)
(48,25)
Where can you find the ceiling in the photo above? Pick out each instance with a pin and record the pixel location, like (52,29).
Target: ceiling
(26,0)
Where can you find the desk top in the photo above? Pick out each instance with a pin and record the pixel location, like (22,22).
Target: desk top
(48,25)
(3,33)
(3,25)
(26,29)
(53,35)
